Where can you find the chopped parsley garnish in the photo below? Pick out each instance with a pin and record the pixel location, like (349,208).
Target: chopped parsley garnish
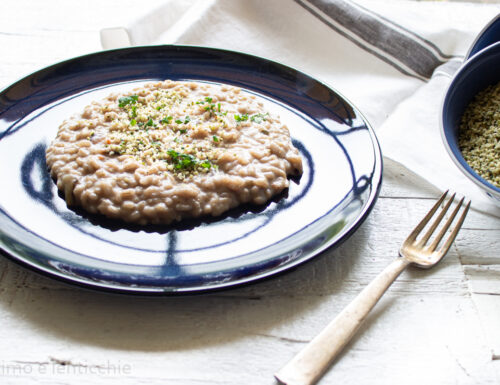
(206,100)
(210,108)
(173,154)
(259,118)
(186,161)
(132,99)
(166,120)
(186,120)
(149,129)
(241,118)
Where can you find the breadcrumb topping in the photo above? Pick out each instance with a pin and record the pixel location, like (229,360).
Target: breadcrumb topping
(479,134)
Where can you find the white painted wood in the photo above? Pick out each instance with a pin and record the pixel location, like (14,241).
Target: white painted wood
(436,327)
(308,366)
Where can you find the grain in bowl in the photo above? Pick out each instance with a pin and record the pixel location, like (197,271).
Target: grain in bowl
(171,150)
(479,134)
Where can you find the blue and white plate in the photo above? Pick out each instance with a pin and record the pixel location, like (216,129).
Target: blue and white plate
(340,184)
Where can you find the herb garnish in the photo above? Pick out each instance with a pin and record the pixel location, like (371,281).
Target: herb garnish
(258,118)
(132,99)
(186,120)
(142,117)
(241,118)
(207,100)
(186,161)
(166,120)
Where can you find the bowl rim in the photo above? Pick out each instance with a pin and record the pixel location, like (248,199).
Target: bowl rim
(460,161)
(490,24)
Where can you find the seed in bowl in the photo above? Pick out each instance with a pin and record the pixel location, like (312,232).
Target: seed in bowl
(479,134)
(171,150)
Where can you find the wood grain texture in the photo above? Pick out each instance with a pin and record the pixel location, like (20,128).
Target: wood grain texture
(308,366)
(436,326)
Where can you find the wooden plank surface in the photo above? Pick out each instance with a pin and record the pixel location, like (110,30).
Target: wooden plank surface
(59,332)
(435,326)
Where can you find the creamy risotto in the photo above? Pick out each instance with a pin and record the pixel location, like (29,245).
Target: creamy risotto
(171,150)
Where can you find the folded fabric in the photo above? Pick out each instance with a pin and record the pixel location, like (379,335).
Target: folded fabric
(392,59)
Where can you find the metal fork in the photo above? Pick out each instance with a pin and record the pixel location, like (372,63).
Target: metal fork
(307,367)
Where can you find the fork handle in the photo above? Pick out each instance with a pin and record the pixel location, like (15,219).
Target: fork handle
(309,364)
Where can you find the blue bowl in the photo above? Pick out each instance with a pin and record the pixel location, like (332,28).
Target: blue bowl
(480,71)
(488,36)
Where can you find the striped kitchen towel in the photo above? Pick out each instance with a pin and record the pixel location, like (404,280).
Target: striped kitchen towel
(392,59)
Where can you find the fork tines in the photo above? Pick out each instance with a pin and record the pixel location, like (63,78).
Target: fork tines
(432,227)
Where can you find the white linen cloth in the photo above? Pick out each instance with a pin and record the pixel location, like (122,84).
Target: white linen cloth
(392,59)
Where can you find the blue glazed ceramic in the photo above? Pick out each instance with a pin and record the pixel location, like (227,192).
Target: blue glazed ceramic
(488,36)
(339,186)
(475,75)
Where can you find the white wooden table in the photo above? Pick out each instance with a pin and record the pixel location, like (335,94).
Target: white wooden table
(433,327)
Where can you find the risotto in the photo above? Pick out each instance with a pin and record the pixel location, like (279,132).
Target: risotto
(171,150)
